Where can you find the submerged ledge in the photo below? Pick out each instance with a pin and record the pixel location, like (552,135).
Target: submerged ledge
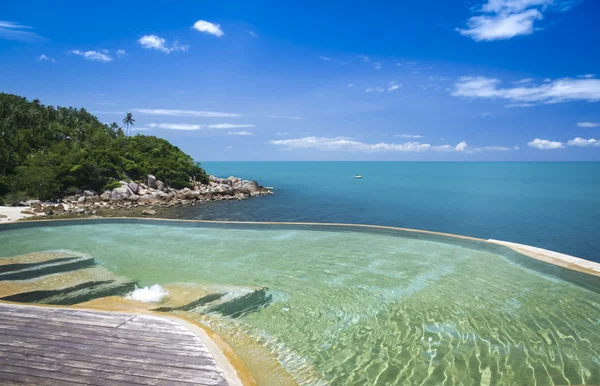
(561,260)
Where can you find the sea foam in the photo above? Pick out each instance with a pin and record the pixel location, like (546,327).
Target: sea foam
(152,294)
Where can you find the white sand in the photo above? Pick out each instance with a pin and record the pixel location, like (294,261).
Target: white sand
(13,213)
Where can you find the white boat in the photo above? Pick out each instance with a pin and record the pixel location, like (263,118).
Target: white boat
(358,176)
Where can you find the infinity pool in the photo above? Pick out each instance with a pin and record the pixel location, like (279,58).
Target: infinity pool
(363,307)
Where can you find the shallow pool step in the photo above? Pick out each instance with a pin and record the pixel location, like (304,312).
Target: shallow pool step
(25,271)
(76,294)
(234,303)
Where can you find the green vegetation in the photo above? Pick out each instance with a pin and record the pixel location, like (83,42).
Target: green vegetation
(48,152)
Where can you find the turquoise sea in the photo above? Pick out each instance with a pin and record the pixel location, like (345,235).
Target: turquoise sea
(549,205)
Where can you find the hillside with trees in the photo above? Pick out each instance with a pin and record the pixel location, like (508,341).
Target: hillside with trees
(49,152)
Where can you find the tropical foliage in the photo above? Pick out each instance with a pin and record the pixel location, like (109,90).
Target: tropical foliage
(48,152)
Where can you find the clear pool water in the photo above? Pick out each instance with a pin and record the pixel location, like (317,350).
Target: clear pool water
(365,308)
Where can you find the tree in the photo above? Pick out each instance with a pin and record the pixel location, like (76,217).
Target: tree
(128,121)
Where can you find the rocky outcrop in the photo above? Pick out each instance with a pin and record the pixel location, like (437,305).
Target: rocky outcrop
(152,193)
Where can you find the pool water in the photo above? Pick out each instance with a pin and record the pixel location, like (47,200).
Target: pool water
(364,308)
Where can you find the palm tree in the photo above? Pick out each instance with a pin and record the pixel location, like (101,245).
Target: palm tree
(128,121)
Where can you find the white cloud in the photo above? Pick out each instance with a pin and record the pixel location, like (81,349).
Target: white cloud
(364,58)
(209,28)
(93,55)
(153,42)
(485,114)
(408,136)
(14,31)
(516,147)
(556,91)
(494,148)
(324,58)
(242,133)
(187,126)
(120,53)
(285,117)
(523,81)
(377,66)
(280,133)
(186,113)
(44,57)
(462,146)
(108,112)
(253,34)
(588,124)
(393,86)
(374,89)
(587,76)
(505,19)
(346,144)
(581,142)
(174,126)
(350,85)
(229,126)
(544,144)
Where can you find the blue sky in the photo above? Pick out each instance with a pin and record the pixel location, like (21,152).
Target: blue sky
(485,80)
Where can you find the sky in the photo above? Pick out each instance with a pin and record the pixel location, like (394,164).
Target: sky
(437,80)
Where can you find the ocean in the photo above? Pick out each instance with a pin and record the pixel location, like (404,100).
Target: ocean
(554,206)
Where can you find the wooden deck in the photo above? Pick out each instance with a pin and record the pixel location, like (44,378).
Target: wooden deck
(60,346)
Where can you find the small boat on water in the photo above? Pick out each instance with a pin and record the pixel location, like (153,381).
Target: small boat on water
(358,176)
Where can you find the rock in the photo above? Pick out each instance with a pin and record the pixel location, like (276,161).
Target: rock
(121,193)
(49,209)
(250,185)
(134,197)
(142,191)
(33,203)
(105,196)
(151,181)
(89,193)
(38,209)
(27,211)
(81,199)
(134,187)
(160,185)
(59,209)
(3,215)
(149,212)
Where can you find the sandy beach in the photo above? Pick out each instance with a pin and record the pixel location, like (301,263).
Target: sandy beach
(13,213)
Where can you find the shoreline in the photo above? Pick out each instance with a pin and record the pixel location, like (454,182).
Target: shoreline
(565,261)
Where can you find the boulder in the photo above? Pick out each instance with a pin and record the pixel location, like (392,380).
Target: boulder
(160,185)
(27,211)
(59,209)
(149,212)
(121,193)
(250,185)
(105,196)
(33,203)
(82,199)
(134,197)
(3,215)
(151,181)
(134,187)
(89,193)
(49,209)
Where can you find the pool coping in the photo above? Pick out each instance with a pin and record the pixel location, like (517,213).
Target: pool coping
(569,262)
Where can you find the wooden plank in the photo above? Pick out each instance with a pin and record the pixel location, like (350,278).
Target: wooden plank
(124,355)
(50,318)
(93,336)
(58,377)
(182,378)
(117,378)
(9,379)
(140,336)
(32,337)
(167,371)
